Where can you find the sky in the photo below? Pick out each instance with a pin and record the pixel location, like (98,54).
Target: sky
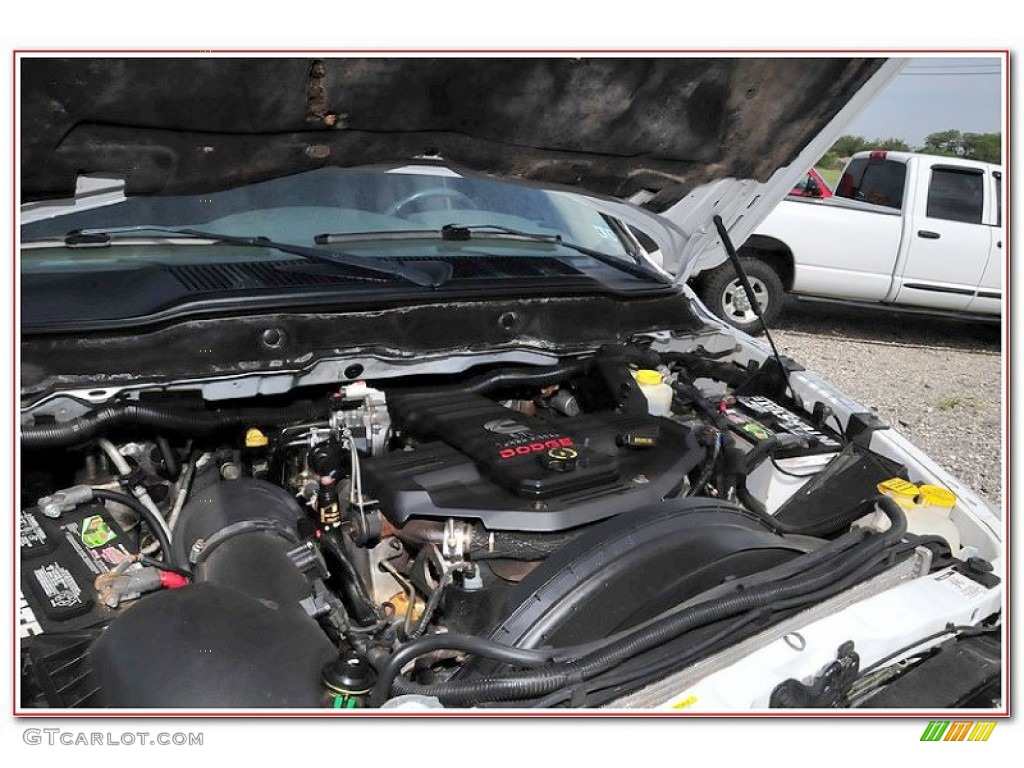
(935,94)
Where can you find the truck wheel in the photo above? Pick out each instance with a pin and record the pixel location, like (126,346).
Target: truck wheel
(723,294)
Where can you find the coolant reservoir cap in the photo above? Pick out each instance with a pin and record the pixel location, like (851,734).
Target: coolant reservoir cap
(648,378)
(937,496)
(899,489)
(255,439)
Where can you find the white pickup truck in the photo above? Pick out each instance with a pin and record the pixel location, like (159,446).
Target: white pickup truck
(903,231)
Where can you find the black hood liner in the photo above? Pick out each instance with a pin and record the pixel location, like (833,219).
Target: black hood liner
(612,126)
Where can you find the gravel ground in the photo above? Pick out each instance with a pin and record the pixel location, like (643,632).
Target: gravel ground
(937,381)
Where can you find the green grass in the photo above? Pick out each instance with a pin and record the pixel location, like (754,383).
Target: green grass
(955,402)
(830,176)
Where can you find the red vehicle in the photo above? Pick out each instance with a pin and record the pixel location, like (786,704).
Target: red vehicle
(812,185)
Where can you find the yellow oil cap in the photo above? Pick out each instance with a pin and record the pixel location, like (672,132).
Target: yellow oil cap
(648,378)
(901,491)
(937,496)
(255,439)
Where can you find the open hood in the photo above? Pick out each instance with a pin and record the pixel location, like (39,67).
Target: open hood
(664,132)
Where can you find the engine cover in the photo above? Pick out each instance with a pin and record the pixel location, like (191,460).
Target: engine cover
(516,472)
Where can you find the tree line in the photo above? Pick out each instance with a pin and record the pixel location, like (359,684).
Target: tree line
(984,147)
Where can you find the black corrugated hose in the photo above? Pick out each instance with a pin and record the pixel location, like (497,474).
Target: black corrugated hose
(91,425)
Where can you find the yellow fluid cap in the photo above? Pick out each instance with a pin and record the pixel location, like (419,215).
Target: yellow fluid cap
(647,377)
(937,496)
(899,488)
(255,439)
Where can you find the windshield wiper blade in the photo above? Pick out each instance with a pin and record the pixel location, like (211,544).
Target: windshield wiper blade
(430,274)
(465,232)
(450,232)
(496,232)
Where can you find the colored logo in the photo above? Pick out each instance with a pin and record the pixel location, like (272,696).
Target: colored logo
(538,447)
(563,454)
(958,730)
(96,532)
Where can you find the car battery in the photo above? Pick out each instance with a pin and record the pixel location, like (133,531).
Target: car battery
(756,419)
(60,560)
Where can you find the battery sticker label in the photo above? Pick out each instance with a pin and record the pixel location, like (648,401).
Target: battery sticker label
(756,431)
(966,587)
(33,538)
(86,543)
(28,624)
(747,426)
(96,532)
(58,586)
(113,556)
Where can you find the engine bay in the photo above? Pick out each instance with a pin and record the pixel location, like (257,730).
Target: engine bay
(514,536)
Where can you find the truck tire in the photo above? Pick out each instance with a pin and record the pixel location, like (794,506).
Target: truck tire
(723,294)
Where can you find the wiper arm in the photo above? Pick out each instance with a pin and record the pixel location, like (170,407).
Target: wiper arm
(496,231)
(636,270)
(427,274)
(465,232)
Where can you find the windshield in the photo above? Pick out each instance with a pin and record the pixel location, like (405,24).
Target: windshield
(296,209)
(320,235)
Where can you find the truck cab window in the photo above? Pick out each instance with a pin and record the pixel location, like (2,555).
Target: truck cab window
(870,180)
(956,194)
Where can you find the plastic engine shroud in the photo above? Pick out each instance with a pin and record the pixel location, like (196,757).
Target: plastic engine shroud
(515,472)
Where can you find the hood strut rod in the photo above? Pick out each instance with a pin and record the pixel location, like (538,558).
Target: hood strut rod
(734,257)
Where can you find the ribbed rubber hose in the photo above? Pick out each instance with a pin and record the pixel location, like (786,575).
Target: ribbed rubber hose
(446,641)
(85,428)
(533,684)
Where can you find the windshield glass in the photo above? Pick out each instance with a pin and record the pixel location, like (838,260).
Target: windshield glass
(328,235)
(296,209)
